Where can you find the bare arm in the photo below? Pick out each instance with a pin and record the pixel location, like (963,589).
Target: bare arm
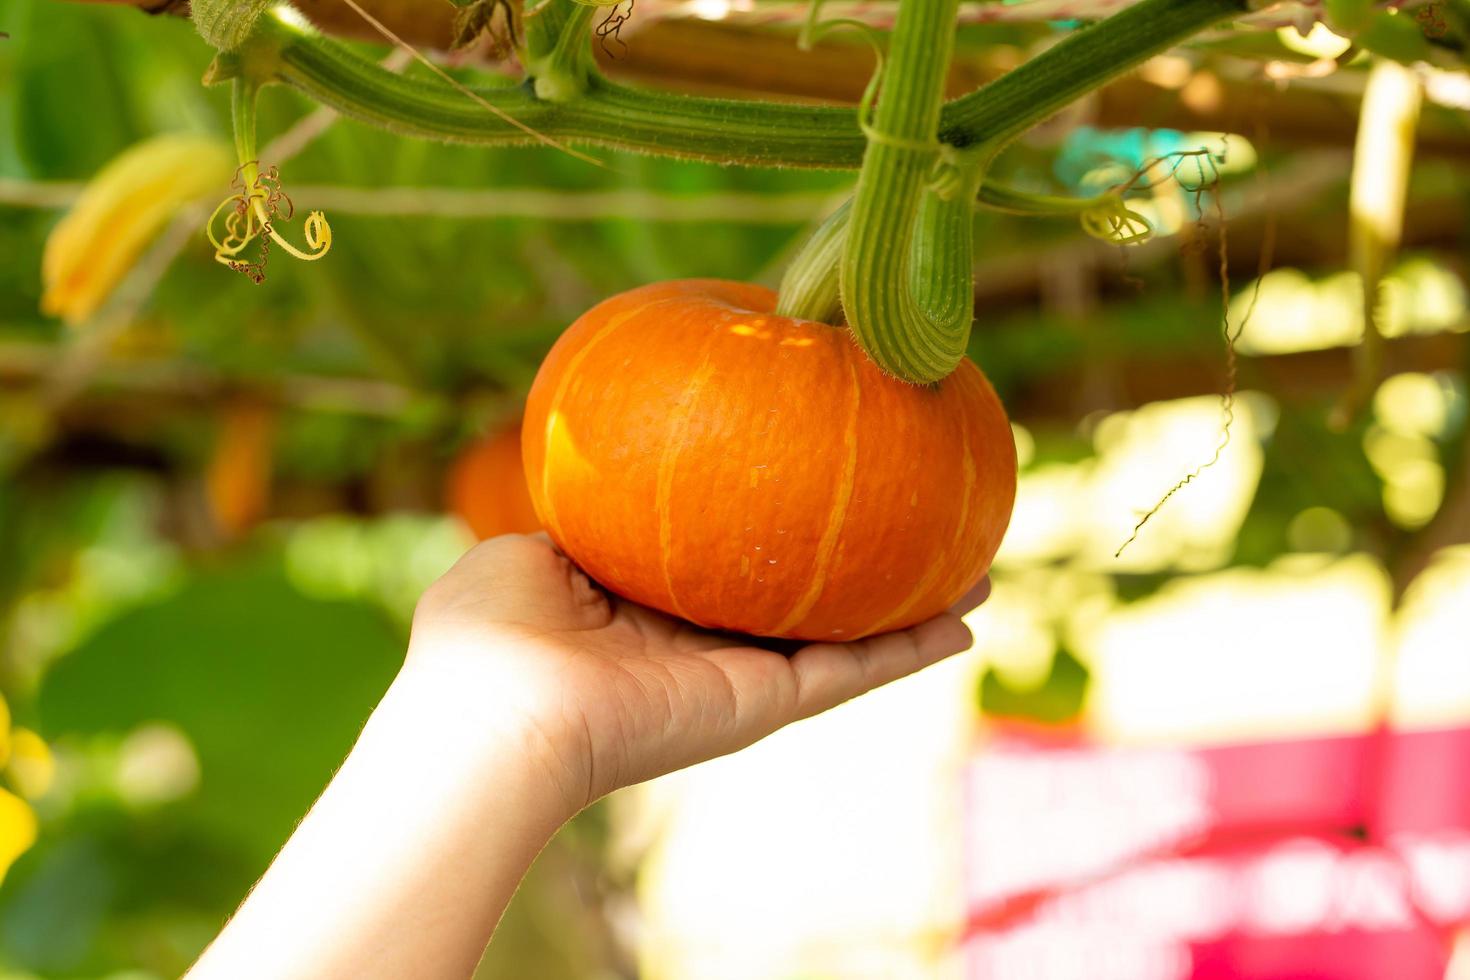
(525,696)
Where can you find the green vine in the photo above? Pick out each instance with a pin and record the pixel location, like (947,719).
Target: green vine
(896,262)
(746,132)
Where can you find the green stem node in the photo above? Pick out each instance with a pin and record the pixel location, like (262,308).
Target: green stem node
(556,56)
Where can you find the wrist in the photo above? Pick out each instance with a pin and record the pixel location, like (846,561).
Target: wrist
(496,728)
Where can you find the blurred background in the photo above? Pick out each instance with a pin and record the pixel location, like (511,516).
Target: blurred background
(1240,748)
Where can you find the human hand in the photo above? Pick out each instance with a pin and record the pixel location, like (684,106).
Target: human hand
(612,693)
(527,694)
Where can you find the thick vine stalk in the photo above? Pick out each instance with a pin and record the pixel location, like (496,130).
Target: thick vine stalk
(906,271)
(747,132)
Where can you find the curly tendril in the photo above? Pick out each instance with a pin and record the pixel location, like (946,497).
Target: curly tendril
(813,30)
(1206,180)
(1113,221)
(251,213)
(611,26)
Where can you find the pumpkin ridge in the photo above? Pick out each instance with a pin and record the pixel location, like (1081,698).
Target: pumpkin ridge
(931,577)
(972,475)
(926,584)
(552,409)
(669,458)
(827,546)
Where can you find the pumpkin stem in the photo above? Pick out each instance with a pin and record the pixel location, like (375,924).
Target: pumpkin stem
(809,286)
(905,274)
(809,289)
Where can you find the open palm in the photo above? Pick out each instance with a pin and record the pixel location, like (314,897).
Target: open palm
(621,693)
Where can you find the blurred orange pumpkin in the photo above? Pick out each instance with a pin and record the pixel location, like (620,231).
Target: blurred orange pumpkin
(695,452)
(486,486)
(237,481)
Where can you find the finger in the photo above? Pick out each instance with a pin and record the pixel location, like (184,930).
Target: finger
(828,674)
(762,689)
(978,593)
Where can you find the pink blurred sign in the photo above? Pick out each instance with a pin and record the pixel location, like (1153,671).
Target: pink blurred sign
(1345,858)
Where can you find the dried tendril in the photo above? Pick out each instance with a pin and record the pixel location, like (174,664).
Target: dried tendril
(611,26)
(251,214)
(1206,180)
(497,21)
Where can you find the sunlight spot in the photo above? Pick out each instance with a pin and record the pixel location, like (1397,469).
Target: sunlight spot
(156,764)
(1412,497)
(710,9)
(1025,445)
(1413,405)
(1296,313)
(1319,529)
(1292,649)
(1319,42)
(1431,671)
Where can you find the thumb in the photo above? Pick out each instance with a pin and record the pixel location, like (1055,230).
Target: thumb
(522,580)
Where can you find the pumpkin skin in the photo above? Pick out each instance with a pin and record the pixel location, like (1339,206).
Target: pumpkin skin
(486,486)
(696,453)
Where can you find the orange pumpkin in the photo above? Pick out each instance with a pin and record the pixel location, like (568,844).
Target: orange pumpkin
(487,487)
(696,453)
(237,482)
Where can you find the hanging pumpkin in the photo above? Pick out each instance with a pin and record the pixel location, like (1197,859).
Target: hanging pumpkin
(486,486)
(696,453)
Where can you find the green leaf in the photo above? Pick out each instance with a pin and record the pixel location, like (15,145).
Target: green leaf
(270,688)
(1347,17)
(1396,36)
(1057,700)
(65,60)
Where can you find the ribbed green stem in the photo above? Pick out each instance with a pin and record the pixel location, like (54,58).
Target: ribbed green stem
(809,288)
(1079,63)
(723,130)
(905,272)
(243,92)
(606,114)
(997,197)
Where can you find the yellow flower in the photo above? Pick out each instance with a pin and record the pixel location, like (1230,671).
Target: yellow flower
(17,819)
(17,829)
(121,210)
(32,768)
(4,731)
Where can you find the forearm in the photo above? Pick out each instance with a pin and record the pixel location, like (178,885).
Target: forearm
(408,859)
